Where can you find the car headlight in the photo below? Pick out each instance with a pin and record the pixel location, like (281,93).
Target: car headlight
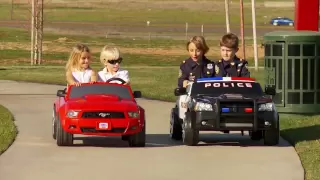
(201,106)
(133,114)
(72,114)
(266,107)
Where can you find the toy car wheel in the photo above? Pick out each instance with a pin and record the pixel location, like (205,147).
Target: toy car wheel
(272,136)
(63,138)
(190,135)
(54,125)
(138,139)
(256,135)
(125,137)
(175,127)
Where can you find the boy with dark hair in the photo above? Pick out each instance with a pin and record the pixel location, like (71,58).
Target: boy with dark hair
(230,65)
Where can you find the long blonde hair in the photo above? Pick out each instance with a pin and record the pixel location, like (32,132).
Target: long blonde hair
(199,42)
(75,55)
(109,53)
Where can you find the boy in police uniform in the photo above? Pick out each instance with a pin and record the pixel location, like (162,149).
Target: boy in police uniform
(230,65)
(197,65)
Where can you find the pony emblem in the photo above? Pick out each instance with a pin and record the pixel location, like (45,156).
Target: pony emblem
(104,114)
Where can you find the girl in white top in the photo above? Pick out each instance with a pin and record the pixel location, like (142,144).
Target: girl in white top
(78,68)
(111,59)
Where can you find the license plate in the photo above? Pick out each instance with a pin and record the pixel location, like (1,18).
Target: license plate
(103,125)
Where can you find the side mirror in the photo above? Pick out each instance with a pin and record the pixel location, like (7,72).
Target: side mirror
(137,94)
(61,93)
(270,91)
(180,91)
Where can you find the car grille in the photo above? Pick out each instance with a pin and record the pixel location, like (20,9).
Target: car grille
(93,130)
(236,111)
(237,107)
(103,115)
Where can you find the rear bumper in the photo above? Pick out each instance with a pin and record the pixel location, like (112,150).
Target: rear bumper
(116,127)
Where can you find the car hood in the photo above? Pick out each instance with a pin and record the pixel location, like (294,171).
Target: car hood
(101,102)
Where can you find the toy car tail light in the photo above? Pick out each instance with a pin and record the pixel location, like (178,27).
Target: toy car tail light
(225,110)
(248,110)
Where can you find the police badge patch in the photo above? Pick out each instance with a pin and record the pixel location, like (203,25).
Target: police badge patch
(209,66)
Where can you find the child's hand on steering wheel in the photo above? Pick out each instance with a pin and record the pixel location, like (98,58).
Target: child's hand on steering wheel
(77,84)
(191,78)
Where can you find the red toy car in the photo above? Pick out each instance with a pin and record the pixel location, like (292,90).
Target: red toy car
(101,109)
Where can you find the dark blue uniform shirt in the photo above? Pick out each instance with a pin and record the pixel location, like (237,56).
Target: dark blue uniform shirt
(236,68)
(191,68)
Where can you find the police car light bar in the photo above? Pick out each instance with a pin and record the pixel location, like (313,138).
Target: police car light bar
(217,79)
(228,110)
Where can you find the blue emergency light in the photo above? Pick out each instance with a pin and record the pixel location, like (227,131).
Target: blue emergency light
(225,110)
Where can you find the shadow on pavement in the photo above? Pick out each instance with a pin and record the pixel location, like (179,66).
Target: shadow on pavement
(152,140)
(163,140)
(296,135)
(235,140)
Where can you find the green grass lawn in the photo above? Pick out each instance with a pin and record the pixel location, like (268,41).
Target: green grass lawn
(8,129)
(140,12)
(18,35)
(301,131)
(21,53)
(129,59)
(147,72)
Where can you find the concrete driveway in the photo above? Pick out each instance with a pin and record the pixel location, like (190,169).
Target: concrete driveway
(35,156)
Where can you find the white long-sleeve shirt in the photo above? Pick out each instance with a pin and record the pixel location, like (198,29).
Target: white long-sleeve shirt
(104,75)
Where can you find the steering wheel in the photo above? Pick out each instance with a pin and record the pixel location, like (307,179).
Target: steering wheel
(117,79)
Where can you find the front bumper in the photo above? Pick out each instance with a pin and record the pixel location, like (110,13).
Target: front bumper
(216,120)
(209,121)
(113,127)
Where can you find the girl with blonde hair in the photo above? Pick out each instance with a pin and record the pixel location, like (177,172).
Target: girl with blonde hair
(78,68)
(111,58)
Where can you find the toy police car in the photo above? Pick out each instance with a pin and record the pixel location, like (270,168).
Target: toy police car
(224,104)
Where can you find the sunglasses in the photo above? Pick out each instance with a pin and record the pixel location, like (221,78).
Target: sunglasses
(115,61)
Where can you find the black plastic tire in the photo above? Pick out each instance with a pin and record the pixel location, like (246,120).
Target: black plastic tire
(138,139)
(272,136)
(124,138)
(175,127)
(63,138)
(256,136)
(54,125)
(190,134)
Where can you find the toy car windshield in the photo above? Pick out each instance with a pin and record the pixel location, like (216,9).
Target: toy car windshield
(226,85)
(100,88)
